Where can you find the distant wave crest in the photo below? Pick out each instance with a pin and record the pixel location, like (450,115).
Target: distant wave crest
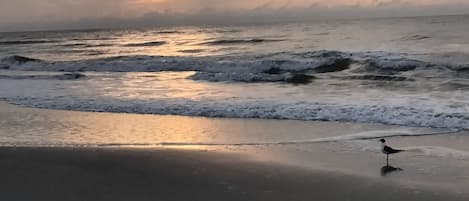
(26,42)
(146,44)
(240,41)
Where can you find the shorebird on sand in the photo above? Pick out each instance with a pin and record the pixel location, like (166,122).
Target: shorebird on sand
(388,150)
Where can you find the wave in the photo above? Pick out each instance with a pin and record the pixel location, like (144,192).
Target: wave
(65,76)
(16,59)
(322,34)
(146,44)
(240,41)
(378,78)
(220,31)
(86,45)
(416,37)
(95,39)
(375,66)
(455,84)
(169,32)
(192,51)
(308,111)
(26,42)
(74,45)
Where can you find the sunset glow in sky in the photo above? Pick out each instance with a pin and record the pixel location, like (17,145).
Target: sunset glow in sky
(197,5)
(78,13)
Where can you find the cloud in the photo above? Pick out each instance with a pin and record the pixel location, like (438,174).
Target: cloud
(70,14)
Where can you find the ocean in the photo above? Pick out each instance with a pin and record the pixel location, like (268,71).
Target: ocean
(396,71)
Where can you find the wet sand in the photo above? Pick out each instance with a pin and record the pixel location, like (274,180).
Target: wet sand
(102,174)
(65,155)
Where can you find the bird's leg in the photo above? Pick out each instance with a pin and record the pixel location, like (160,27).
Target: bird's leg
(387,159)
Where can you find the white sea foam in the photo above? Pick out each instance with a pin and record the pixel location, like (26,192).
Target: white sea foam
(387,114)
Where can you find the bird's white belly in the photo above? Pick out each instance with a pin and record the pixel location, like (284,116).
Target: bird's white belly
(384,150)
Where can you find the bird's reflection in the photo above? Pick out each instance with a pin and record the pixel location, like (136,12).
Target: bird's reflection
(387,169)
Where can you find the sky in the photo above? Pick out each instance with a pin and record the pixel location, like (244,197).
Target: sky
(77,14)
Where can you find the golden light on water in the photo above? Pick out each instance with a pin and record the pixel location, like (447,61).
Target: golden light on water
(175,43)
(82,128)
(166,85)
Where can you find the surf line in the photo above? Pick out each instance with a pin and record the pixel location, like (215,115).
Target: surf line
(343,138)
(312,141)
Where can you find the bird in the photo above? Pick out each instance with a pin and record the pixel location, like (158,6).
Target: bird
(388,150)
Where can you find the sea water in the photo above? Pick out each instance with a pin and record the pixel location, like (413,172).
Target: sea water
(399,71)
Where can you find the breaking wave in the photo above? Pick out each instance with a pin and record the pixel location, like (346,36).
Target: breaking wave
(297,68)
(264,68)
(308,111)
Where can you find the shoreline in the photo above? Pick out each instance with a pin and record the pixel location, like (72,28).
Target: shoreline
(170,174)
(326,170)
